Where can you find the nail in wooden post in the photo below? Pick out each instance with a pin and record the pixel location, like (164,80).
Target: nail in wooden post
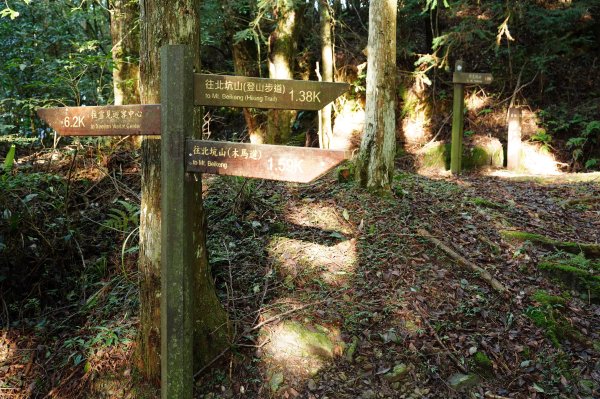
(457,124)
(177,96)
(513,150)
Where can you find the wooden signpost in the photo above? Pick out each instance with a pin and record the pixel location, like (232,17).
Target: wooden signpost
(274,162)
(109,120)
(181,89)
(459,79)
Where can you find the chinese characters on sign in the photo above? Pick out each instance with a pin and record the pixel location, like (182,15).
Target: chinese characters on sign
(275,162)
(472,78)
(241,91)
(111,120)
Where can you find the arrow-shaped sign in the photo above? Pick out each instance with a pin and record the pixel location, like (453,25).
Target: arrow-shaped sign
(263,161)
(110,120)
(472,78)
(242,91)
(213,90)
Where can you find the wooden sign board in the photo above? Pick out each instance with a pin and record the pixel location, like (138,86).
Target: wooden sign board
(110,120)
(247,92)
(262,161)
(472,78)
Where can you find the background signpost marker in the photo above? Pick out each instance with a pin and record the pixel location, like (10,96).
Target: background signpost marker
(459,79)
(513,150)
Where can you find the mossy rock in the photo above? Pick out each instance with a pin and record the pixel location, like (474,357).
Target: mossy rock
(436,155)
(584,281)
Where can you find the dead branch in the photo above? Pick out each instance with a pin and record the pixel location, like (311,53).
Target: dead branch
(483,274)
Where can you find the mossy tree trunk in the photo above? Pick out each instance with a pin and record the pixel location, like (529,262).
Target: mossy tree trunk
(170,22)
(375,163)
(325,129)
(282,45)
(125,35)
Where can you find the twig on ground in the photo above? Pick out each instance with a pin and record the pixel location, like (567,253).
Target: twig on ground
(483,274)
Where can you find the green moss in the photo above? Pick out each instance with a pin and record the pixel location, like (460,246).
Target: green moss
(546,299)
(433,156)
(483,364)
(312,342)
(580,279)
(547,316)
(437,156)
(475,157)
(592,250)
(484,203)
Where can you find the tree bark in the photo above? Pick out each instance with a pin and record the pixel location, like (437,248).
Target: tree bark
(282,43)
(125,35)
(170,22)
(326,131)
(375,163)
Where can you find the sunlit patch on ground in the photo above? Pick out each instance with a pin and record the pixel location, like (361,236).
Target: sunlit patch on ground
(300,262)
(298,350)
(318,215)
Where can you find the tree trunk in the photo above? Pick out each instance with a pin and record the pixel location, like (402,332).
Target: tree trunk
(170,22)
(125,35)
(243,63)
(375,163)
(325,131)
(281,61)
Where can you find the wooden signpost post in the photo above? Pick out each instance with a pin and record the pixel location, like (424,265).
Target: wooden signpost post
(181,156)
(459,79)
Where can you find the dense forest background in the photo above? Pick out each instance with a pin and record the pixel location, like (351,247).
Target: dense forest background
(543,55)
(362,276)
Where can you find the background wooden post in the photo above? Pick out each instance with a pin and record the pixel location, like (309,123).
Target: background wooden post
(457,123)
(513,150)
(177,120)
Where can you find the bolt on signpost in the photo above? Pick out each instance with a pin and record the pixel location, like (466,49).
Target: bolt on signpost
(181,156)
(459,79)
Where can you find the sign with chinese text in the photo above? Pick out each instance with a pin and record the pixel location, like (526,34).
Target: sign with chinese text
(110,120)
(242,91)
(274,162)
(472,78)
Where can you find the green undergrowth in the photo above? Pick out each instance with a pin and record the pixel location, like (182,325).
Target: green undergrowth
(575,272)
(547,314)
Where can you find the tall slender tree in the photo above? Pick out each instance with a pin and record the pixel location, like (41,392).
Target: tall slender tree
(325,11)
(282,46)
(125,35)
(375,163)
(245,63)
(171,22)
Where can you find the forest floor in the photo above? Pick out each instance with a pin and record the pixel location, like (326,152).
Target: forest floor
(333,292)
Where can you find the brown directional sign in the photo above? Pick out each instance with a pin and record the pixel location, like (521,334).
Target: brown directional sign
(274,162)
(110,120)
(242,91)
(472,78)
